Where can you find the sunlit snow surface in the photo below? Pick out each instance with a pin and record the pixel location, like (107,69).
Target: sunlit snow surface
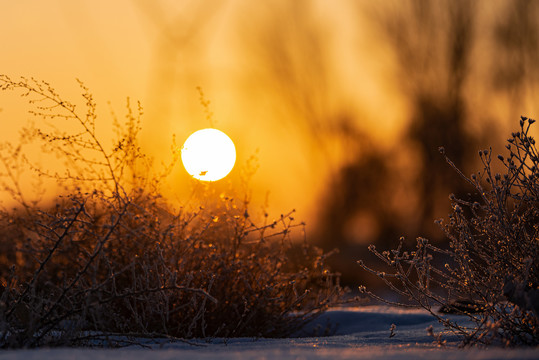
(356,333)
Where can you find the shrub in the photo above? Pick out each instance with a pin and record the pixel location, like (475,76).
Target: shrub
(491,270)
(112,260)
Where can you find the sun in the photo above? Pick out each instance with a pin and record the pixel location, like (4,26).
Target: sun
(208,155)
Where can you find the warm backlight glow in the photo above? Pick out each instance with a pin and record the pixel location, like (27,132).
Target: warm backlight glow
(208,155)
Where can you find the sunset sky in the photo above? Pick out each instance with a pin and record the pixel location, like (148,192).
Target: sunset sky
(159,52)
(285,79)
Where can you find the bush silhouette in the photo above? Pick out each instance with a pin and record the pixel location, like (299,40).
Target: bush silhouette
(112,260)
(492,270)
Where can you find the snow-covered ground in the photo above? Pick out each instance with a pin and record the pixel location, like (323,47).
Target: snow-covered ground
(356,333)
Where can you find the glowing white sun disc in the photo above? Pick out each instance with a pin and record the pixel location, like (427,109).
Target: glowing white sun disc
(208,155)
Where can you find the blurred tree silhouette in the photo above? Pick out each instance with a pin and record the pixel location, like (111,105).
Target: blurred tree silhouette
(368,198)
(181,42)
(297,61)
(517,37)
(375,192)
(432,44)
(373,198)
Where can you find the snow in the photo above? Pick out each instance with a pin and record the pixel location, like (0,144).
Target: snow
(354,333)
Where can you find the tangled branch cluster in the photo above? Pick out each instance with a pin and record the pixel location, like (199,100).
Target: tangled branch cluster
(112,261)
(491,270)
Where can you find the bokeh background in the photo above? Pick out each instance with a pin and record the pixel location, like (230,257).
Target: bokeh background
(342,103)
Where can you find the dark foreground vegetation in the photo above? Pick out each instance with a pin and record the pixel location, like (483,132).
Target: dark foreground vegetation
(490,271)
(112,260)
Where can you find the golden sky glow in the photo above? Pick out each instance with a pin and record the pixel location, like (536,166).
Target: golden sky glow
(285,79)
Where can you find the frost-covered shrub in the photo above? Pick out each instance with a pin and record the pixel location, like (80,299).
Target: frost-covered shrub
(112,260)
(490,272)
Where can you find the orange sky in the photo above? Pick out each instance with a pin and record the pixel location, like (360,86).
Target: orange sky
(158,52)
